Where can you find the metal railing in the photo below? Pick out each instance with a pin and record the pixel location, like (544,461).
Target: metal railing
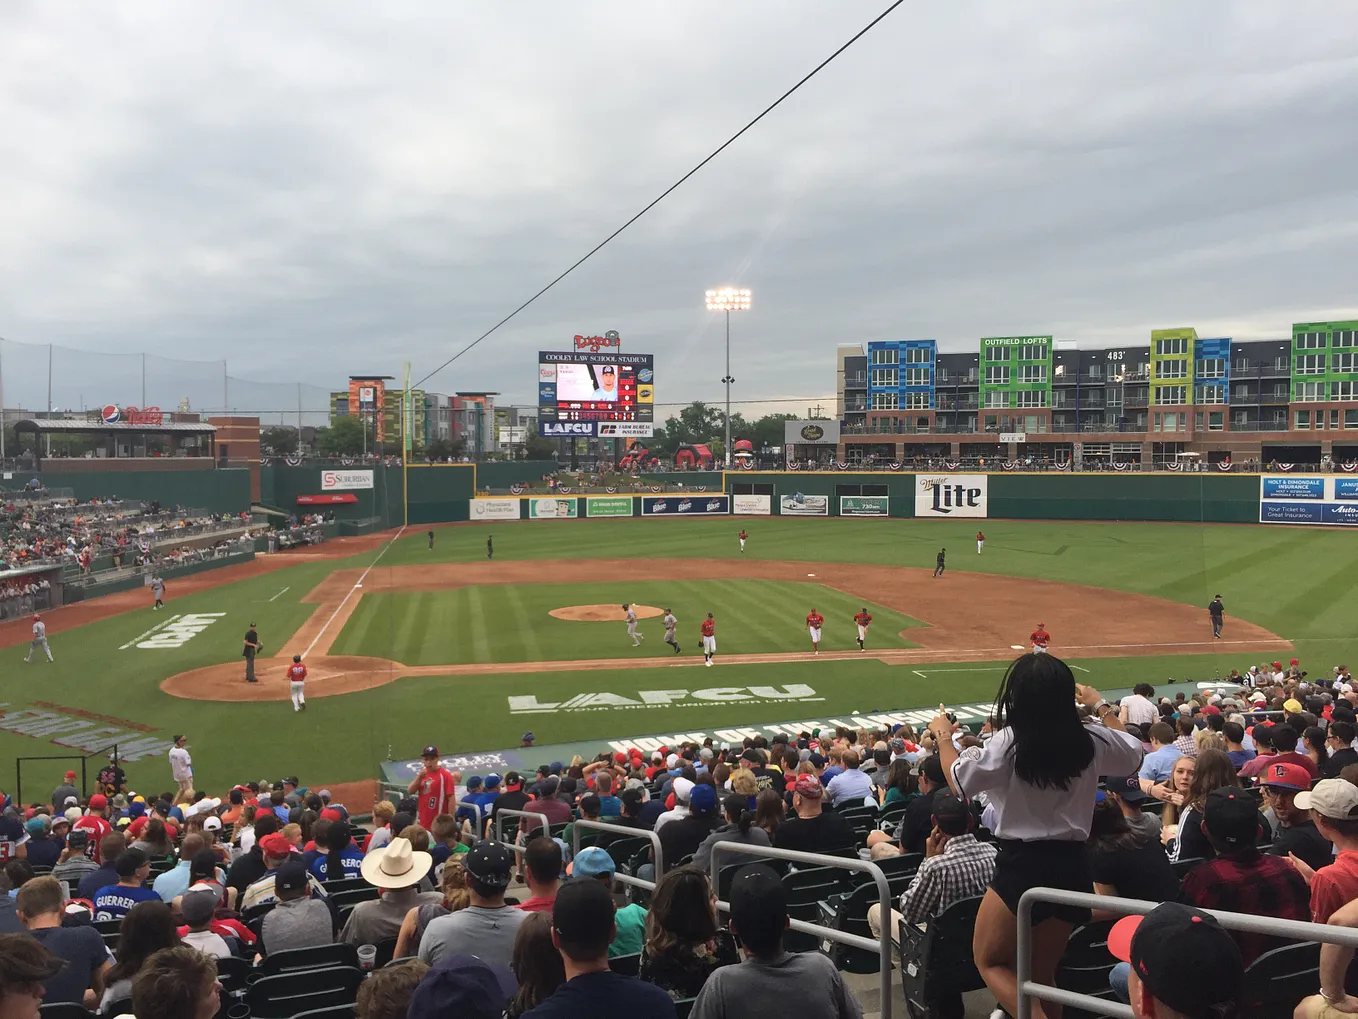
(1029,989)
(658,856)
(883,946)
(501,814)
(480,824)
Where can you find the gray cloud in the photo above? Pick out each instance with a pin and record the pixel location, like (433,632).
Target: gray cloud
(312,190)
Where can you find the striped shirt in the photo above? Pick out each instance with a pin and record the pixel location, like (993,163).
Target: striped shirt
(1186,746)
(962,871)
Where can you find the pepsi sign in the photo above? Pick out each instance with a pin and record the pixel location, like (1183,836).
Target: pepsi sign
(110,415)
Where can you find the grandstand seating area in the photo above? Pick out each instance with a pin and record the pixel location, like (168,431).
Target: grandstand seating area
(645,826)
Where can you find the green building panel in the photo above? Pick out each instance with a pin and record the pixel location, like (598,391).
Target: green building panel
(1016,372)
(1172,354)
(1324,361)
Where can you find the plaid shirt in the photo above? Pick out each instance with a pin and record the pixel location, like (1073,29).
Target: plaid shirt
(1186,746)
(1250,883)
(961,871)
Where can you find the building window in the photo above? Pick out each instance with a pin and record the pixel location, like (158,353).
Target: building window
(1168,395)
(1033,352)
(1344,391)
(1242,364)
(1344,338)
(1032,398)
(997,375)
(1215,420)
(917,401)
(886,377)
(1304,419)
(1310,341)
(918,355)
(1165,348)
(941,374)
(1033,373)
(1311,364)
(997,353)
(1171,369)
(917,376)
(1212,368)
(885,355)
(1312,392)
(1344,363)
(996,398)
(1114,398)
(1351,419)
(1095,371)
(1211,394)
(885,401)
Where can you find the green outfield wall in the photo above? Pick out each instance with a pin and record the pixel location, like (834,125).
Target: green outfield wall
(1214,497)
(223,490)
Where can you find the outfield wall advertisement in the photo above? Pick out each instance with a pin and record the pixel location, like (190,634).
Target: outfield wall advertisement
(800,505)
(951,495)
(1308,499)
(552,509)
(686,505)
(495,509)
(610,506)
(864,506)
(752,505)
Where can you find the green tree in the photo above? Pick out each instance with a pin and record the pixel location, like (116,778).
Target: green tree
(538,448)
(278,440)
(442,449)
(344,437)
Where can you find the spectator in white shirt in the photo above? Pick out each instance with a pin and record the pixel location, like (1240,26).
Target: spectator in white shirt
(851,787)
(1138,708)
(181,769)
(197,908)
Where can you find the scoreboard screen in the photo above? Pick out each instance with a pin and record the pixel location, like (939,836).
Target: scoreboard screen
(605,393)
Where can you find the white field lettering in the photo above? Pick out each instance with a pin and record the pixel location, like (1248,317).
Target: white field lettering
(180,631)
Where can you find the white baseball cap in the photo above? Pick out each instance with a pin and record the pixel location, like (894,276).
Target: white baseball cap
(1333,798)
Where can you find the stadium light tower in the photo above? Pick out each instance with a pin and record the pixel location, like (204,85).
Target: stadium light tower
(728,299)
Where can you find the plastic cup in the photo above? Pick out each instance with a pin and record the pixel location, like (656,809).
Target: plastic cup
(367,955)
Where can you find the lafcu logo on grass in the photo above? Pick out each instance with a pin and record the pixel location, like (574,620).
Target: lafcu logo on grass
(176,631)
(793,692)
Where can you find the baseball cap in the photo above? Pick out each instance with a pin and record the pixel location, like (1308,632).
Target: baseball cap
(582,911)
(98,801)
(702,799)
(1287,776)
(430,751)
(78,839)
(70,776)
(464,986)
(683,788)
(198,906)
(1333,798)
(493,781)
(1231,817)
(276,844)
(212,823)
(513,781)
(1126,786)
(490,862)
(62,820)
(473,783)
(593,862)
(1292,706)
(756,893)
(291,877)
(332,814)
(948,807)
(1172,940)
(808,785)
(817,760)
(36,825)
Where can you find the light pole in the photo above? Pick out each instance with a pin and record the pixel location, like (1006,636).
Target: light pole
(728,299)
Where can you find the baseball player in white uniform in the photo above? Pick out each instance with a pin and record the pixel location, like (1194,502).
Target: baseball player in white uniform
(158,589)
(631,617)
(670,624)
(39,638)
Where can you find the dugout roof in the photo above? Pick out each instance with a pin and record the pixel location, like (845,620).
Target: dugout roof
(105,428)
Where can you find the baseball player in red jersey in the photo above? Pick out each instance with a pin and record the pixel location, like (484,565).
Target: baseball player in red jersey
(435,787)
(297,683)
(1040,638)
(709,629)
(980,541)
(742,536)
(863,618)
(814,621)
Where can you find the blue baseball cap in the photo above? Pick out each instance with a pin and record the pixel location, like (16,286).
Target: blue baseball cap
(492,781)
(474,783)
(464,986)
(702,799)
(593,862)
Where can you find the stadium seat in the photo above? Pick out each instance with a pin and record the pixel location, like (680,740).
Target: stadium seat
(848,912)
(1085,965)
(123,1006)
(386,951)
(624,849)
(894,867)
(288,994)
(353,896)
(859,810)
(938,958)
(683,1006)
(1280,978)
(318,957)
(344,884)
(806,890)
(1182,867)
(334,1012)
(233,973)
(108,926)
(626,965)
(64,1010)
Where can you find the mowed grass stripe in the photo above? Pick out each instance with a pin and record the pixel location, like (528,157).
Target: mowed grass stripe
(475,627)
(523,624)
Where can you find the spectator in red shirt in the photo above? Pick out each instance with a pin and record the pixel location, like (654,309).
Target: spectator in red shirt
(95,822)
(435,787)
(1334,808)
(542,872)
(1283,740)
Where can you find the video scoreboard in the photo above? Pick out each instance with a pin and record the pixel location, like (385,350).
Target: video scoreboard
(596,393)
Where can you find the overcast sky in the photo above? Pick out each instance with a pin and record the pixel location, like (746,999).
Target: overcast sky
(311,190)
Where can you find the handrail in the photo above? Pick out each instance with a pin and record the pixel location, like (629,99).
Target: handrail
(476,807)
(1028,989)
(883,946)
(636,833)
(504,812)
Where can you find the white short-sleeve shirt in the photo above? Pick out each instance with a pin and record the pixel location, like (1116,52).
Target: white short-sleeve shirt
(1140,710)
(1028,813)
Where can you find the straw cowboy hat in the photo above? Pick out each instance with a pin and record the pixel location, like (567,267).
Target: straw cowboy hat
(395,865)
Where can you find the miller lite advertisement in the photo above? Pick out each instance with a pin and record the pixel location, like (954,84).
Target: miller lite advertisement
(950,495)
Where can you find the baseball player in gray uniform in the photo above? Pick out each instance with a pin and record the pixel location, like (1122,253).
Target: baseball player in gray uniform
(39,638)
(631,617)
(670,623)
(158,589)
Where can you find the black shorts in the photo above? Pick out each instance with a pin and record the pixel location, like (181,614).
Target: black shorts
(1050,864)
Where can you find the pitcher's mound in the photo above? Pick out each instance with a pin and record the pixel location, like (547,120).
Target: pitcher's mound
(602,613)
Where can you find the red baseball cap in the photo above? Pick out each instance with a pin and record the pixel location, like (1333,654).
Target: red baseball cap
(331,814)
(99,801)
(1211,709)
(275,844)
(620,757)
(1286,776)
(70,774)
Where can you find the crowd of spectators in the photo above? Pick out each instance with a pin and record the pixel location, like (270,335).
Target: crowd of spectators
(1242,799)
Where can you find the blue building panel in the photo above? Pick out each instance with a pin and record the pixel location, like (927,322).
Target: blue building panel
(912,358)
(1205,350)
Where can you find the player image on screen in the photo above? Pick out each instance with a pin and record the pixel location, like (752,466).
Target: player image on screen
(582,382)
